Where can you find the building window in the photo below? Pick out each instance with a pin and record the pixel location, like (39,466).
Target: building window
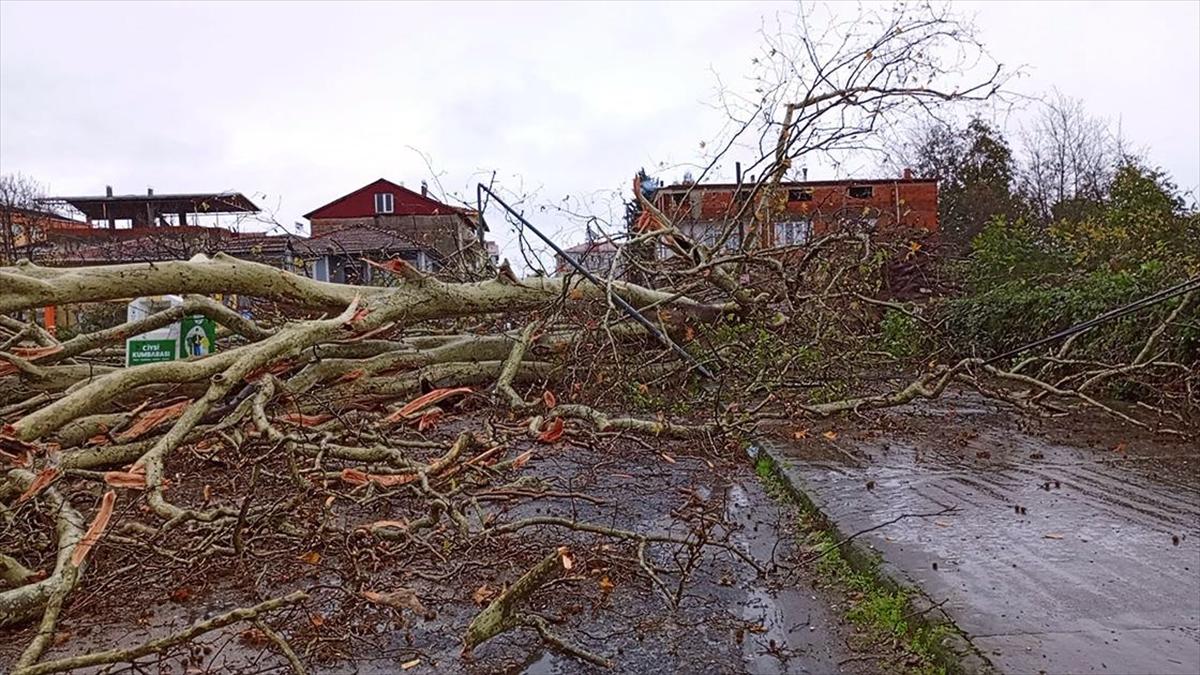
(384,203)
(800,195)
(860,191)
(792,232)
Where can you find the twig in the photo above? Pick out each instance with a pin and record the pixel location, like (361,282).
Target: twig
(161,644)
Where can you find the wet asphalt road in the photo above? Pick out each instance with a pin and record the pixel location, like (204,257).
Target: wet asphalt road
(1071,550)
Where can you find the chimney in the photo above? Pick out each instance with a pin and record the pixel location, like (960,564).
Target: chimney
(424,189)
(737,169)
(804,174)
(149,192)
(108,190)
(907,173)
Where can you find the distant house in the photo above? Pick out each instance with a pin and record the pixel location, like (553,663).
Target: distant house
(134,211)
(151,227)
(25,229)
(340,256)
(440,232)
(595,256)
(810,208)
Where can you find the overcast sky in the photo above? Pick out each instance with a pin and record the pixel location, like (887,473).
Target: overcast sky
(299,103)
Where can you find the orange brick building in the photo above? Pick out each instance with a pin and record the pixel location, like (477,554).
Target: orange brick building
(809,209)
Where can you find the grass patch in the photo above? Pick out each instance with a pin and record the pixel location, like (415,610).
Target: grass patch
(880,609)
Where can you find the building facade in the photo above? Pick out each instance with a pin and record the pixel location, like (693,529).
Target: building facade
(440,231)
(804,210)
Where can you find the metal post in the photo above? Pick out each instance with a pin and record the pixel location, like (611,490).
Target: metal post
(624,306)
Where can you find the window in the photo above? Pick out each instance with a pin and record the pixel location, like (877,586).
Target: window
(384,203)
(792,232)
(861,191)
(800,195)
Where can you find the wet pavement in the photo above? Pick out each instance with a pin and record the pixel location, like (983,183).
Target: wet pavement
(1074,546)
(729,618)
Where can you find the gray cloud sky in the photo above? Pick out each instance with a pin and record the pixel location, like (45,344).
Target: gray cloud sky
(303,102)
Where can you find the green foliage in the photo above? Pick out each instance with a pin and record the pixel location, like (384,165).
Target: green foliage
(1025,282)
(976,170)
(901,337)
(880,610)
(1006,315)
(1005,251)
(1143,219)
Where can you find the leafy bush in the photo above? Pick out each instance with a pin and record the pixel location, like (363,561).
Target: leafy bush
(1007,315)
(901,337)
(1025,282)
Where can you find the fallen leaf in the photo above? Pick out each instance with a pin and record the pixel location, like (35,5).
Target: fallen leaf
(554,433)
(99,524)
(430,419)
(941,523)
(401,598)
(564,554)
(181,594)
(410,664)
(831,435)
(253,637)
(1052,535)
(356,477)
(522,459)
(133,480)
(549,399)
(316,620)
(44,478)
(302,420)
(483,594)
(152,419)
(1120,447)
(425,401)
(311,557)
(800,434)
(606,584)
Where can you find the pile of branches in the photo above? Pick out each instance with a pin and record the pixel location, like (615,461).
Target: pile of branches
(346,403)
(327,428)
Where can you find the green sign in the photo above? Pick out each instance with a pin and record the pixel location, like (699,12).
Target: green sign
(139,351)
(197,336)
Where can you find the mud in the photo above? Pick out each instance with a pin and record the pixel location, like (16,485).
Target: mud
(1074,546)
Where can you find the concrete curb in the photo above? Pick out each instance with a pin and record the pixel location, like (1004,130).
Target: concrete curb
(956,653)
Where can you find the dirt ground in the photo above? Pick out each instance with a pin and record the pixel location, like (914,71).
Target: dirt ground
(729,619)
(1074,543)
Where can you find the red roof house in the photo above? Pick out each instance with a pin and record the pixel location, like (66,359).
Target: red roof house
(442,231)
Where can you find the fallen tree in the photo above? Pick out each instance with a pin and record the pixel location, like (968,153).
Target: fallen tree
(374,424)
